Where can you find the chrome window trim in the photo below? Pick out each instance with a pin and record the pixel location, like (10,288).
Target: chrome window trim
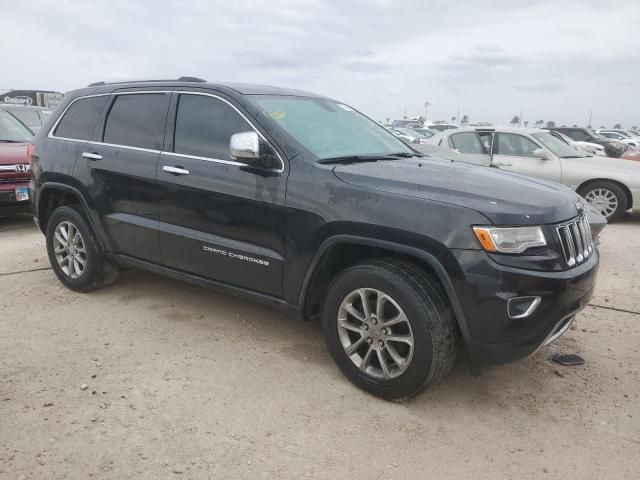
(166,152)
(230,162)
(64,112)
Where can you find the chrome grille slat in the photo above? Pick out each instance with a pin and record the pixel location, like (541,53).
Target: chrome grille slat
(576,241)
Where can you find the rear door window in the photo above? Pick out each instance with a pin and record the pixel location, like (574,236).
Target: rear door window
(204,126)
(137,120)
(81,118)
(467,142)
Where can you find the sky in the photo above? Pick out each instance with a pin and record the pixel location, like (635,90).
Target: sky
(490,60)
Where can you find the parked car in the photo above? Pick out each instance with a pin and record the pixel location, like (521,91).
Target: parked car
(410,135)
(628,139)
(588,147)
(406,124)
(619,131)
(14,165)
(441,127)
(32,117)
(611,185)
(425,132)
(305,204)
(614,148)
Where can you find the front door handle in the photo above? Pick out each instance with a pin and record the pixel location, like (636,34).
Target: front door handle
(91,156)
(175,170)
(503,164)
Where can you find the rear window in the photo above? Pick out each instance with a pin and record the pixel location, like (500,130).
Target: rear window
(81,118)
(137,120)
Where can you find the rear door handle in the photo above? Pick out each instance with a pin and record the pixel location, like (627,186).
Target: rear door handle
(175,170)
(91,156)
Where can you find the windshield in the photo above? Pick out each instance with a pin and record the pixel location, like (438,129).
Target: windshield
(557,146)
(27,116)
(329,129)
(11,130)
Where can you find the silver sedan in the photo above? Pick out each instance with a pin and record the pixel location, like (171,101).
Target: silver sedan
(611,185)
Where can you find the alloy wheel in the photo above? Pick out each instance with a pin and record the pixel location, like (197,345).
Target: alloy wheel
(375,333)
(69,249)
(603,200)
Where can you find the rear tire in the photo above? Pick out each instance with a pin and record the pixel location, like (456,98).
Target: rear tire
(362,340)
(606,197)
(74,253)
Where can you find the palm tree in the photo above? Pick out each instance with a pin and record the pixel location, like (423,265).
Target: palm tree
(618,126)
(515,120)
(539,123)
(526,124)
(551,124)
(465,119)
(453,119)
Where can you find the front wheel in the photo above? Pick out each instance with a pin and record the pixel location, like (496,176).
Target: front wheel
(606,197)
(389,328)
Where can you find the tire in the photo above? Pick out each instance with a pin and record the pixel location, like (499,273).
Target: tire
(429,321)
(607,197)
(97,271)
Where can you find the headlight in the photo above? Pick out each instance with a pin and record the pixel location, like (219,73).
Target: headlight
(510,239)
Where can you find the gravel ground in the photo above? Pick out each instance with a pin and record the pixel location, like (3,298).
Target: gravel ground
(152,378)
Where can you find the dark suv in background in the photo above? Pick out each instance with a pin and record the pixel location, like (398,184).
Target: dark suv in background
(304,204)
(613,148)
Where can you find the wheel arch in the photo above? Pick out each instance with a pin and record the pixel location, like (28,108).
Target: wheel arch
(330,259)
(53,195)
(625,189)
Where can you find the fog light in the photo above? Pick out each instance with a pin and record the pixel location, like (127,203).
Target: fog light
(522,307)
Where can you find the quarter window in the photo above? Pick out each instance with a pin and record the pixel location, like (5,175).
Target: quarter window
(137,120)
(81,118)
(515,145)
(204,126)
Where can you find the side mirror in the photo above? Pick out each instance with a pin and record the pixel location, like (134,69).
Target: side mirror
(248,147)
(245,146)
(542,154)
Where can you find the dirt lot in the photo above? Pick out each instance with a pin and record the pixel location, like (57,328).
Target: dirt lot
(152,378)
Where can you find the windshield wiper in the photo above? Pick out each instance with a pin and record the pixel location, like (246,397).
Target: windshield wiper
(366,158)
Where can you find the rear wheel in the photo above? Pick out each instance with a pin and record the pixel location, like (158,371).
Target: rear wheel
(389,328)
(74,253)
(606,197)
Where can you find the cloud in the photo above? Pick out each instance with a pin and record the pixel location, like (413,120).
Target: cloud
(541,88)
(489,58)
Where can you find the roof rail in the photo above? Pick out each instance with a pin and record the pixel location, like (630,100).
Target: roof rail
(180,79)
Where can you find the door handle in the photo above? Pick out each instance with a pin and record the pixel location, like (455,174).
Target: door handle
(175,170)
(91,156)
(503,164)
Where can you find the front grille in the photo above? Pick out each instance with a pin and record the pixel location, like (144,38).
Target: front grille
(576,240)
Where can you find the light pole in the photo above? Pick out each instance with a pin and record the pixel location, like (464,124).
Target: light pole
(426,110)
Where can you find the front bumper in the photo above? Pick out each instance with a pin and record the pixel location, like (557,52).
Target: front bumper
(8,203)
(484,288)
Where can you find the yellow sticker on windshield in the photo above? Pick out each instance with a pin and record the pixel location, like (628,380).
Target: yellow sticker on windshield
(278,115)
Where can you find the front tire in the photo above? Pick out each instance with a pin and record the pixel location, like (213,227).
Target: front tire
(74,253)
(389,328)
(606,197)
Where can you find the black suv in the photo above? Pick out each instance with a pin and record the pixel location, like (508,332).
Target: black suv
(303,203)
(613,148)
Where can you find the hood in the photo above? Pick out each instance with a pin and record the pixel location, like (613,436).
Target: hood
(504,198)
(13,153)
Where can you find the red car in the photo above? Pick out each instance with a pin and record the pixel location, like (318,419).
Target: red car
(15,173)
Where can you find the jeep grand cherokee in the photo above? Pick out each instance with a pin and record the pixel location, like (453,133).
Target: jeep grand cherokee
(305,204)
